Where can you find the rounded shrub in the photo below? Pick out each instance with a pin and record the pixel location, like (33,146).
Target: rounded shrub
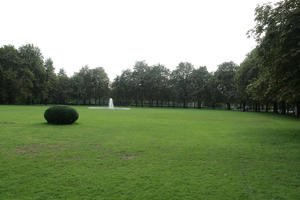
(61,115)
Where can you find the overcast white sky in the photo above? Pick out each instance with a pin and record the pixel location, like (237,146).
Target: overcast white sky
(114,34)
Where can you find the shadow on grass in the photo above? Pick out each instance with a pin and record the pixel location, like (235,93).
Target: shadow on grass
(54,125)
(275,136)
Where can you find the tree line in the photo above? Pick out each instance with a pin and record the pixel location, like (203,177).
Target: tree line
(27,78)
(267,80)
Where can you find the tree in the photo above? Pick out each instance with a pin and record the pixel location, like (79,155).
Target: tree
(277,33)
(156,81)
(246,74)
(100,83)
(50,81)
(225,82)
(139,71)
(32,59)
(182,83)
(9,77)
(213,95)
(123,88)
(63,90)
(200,78)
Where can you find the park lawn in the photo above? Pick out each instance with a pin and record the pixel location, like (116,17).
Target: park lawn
(149,154)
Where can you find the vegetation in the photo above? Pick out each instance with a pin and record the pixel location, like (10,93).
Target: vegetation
(149,154)
(268,79)
(61,115)
(27,79)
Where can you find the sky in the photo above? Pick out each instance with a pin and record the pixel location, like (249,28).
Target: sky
(114,34)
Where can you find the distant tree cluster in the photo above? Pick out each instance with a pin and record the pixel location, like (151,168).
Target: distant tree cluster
(271,72)
(26,78)
(186,86)
(267,80)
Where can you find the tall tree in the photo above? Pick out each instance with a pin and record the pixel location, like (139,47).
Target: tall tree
(139,71)
(63,92)
(10,83)
(123,88)
(200,78)
(100,83)
(182,82)
(213,95)
(156,80)
(50,81)
(225,82)
(277,32)
(33,60)
(246,74)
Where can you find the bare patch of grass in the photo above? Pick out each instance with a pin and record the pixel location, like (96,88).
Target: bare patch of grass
(128,157)
(33,150)
(7,122)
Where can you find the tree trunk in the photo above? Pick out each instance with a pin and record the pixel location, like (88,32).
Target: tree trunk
(244,106)
(288,108)
(283,108)
(275,107)
(297,109)
(184,104)
(267,107)
(214,106)
(228,106)
(199,104)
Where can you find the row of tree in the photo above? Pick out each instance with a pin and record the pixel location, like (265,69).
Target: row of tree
(26,78)
(268,79)
(185,86)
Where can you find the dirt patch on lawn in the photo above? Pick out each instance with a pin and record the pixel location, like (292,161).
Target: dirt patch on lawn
(120,154)
(7,122)
(33,150)
(128,157)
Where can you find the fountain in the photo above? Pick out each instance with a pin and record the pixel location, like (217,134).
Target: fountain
(110,106)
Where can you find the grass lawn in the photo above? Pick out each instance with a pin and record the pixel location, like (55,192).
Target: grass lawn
(149,154)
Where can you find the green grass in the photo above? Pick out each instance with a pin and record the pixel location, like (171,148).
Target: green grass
(149,154)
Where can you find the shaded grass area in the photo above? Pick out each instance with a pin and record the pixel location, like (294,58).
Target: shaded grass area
(149,154)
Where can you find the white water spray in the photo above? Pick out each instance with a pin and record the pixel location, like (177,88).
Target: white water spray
(111,104)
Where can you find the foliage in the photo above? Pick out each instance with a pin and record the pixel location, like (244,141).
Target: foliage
(61,115)
(200,80)
(268,75)
(181,82)
(225,82)
(26,78)
(277,32)
(246,74)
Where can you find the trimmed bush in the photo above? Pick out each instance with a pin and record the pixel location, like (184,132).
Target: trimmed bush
(61,115)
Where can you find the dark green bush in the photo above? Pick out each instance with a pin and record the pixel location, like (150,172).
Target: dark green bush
(61,115)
